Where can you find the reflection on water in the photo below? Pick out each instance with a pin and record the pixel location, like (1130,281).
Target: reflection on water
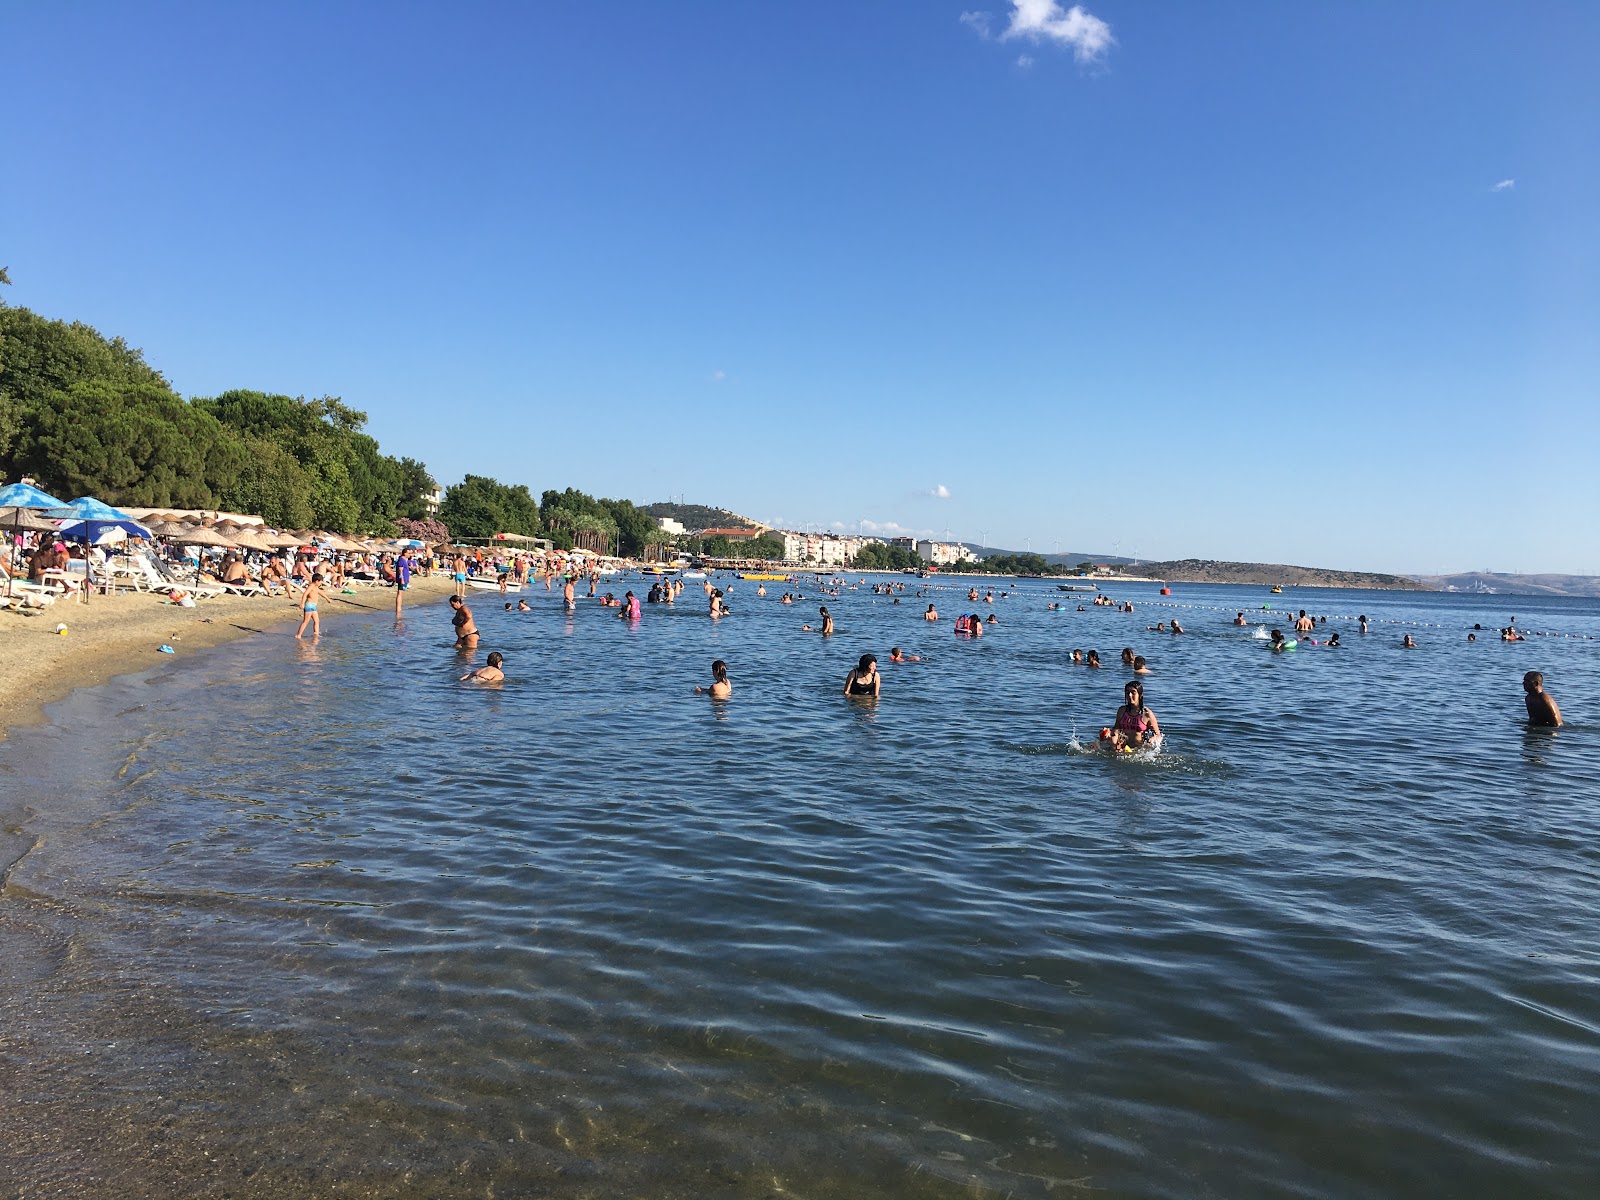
(587,933)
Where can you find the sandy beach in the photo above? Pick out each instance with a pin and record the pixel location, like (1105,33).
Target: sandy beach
(117,635)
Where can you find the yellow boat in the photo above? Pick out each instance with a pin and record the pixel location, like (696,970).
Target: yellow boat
(769,578)
(1276,590)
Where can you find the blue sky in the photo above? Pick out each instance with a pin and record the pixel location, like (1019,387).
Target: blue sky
(1304,283)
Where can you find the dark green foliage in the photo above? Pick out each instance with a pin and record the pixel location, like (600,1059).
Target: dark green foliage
(126,444)
(761,547)
(1017,564)
(87,415)
(480,507)
(880,556)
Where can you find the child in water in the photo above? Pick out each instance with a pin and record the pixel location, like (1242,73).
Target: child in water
(1135,725)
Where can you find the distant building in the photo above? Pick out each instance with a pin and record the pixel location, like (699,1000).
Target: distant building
(822,549)
(733,535)
(944,554)
(433,500)
(671,525)
(904,543)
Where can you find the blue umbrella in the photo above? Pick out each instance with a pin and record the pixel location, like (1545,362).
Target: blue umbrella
(92,518)
(25,495)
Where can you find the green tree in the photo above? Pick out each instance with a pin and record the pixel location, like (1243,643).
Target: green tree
(880,556)
(127,444)
(480,507)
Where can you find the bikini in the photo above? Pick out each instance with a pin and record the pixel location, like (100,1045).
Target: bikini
(1130,720)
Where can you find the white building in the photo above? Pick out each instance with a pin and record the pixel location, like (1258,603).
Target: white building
(944,554)
(433,500)
(670,525)
(822,549)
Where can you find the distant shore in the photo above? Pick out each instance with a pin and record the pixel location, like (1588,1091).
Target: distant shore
(119,635)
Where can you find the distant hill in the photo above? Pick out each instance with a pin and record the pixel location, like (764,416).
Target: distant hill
(1205,570)
(700,516)
(1502,584)
(1070,558)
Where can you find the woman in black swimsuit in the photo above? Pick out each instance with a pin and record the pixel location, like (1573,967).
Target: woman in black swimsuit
(863,679)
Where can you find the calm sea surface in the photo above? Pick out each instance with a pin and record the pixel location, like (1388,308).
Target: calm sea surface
(588,934)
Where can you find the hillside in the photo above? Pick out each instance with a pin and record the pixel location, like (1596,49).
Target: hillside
(700,516)
(1202,570)
(1498,583)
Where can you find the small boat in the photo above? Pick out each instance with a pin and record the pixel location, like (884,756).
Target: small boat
(1077,587)
(1277,590)
(766,577)
(493,585)
(694,574)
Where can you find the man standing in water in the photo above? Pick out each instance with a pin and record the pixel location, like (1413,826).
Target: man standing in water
(569,596)
(1542,706)
(403,566)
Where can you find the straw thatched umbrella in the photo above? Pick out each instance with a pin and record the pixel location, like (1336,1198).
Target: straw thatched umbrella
(251,540)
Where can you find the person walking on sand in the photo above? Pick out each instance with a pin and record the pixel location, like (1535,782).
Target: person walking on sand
(308,608)
(466,628)
(1542,707)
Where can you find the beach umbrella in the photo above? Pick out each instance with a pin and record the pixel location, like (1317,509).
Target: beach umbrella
(26,520)
(202,535)
(19,496)
(281,541)
(251,540)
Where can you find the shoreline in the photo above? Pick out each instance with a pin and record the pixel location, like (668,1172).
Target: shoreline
(117,635)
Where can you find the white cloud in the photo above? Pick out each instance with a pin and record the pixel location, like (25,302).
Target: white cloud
(719,376)
(892,529)
(1505,185)
(1024,61)
(1046,21)
(939,492)
(978,22)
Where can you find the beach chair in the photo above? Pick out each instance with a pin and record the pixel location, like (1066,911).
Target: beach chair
(242,589)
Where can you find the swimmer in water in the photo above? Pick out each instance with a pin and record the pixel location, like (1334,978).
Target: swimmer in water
(1140,667)
(1303,623)
(827,623)
(1092,659)
(1077,658)
(1278,644)
(489,674)
(522,606)
(1135,724)
(863,679)
(993,620)
(1363,621)
(896,656)
(1542,707)
(931,615)
(1239,620)
(720,688)
(1333,641)
(1176,628)
(1407,644)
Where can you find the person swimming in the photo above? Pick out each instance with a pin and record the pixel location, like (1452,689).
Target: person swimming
(489,674)
(931,615)
(864,679)
(720,688)
(1333,641)
(1127,656)
(1239,620)
(1135,725)
(1407,643)
(522,606)
(1140,667)
(896,656)
(1176,628)
(1542,707)
(1278,644)
(1092,659)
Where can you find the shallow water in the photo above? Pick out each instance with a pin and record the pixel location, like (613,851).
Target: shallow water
(586,933)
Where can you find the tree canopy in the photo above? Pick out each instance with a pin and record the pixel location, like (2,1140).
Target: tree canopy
(880,556)
(85,414)
(480,507)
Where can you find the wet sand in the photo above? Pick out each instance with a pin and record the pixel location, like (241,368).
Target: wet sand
(118,635)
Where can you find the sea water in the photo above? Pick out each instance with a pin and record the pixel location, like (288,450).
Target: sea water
(332,915)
